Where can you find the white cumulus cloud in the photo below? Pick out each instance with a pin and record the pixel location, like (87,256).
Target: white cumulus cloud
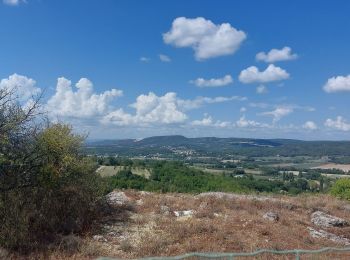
(277,55)
(271,73)
(149,108)
(310,125)
(339,123)
(23,87)
(157,110)
(279,112)
(208,121)
(337,84)
(242,122)
(214,82)
(80,102)
(207,39)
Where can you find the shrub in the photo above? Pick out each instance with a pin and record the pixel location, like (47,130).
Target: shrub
(341,188)
(47,188)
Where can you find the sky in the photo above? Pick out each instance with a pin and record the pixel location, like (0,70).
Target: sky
(133,69)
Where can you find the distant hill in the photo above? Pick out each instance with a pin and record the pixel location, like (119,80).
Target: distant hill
(218,146)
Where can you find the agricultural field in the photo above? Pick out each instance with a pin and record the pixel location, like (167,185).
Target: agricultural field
(330,166)
(108,171)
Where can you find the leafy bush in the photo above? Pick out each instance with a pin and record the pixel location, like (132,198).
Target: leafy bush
(47,188)
(341,188)
(61,199)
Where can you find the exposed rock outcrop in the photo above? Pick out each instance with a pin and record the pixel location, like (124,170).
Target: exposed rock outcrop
(324,234)
(322,219)
(117,198)
(184,213)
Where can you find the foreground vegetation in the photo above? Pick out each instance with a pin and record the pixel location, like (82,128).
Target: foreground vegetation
(47,189)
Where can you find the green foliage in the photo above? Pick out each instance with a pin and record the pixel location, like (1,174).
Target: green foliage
(341,188)
(172,176)
(54,192)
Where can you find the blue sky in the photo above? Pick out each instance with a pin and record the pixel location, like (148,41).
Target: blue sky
(183,67)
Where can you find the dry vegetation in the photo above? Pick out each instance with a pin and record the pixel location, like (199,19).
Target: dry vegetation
(147,226)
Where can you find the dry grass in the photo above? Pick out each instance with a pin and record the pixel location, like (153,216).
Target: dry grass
(218,225)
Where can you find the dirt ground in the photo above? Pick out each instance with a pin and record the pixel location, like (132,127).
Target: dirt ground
(150,224)
(218,223)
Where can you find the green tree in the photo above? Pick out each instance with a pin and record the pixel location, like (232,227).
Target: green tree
(46,187)
(341,188)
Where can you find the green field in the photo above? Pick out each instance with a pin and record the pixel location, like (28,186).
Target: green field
(107,171)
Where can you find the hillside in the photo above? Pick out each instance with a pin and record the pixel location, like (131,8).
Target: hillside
(218,146)
(140,224)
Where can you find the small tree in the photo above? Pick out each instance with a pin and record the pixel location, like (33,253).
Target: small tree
(341,188)
(47,188)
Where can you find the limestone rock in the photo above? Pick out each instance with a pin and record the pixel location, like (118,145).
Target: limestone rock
(99,238)
(117,198)
(322,219)
(165,210)
(271,216)
(324,234)
(184,213)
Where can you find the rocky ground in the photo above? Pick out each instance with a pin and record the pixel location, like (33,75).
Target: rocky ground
(149,224)
(139,224)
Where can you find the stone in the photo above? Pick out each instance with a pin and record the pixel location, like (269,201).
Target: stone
(165,210)
(99,238)
(324,234)
(139,202)
(184,213)
(117,198)
(322,219)
(145,193)
(271,216)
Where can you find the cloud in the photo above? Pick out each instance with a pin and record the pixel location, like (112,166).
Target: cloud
(243,109)
(207,39)
(337,84)
(160,110)
(261,89)
(208,121)
(276,55)
(339,124)
(13,2)
(200,101)
(310,125)
(245,123)
(23,87)
(219,82)
(149,108)
(272,73)
(278,113)
(81,102)
(145,59)
(164,58)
